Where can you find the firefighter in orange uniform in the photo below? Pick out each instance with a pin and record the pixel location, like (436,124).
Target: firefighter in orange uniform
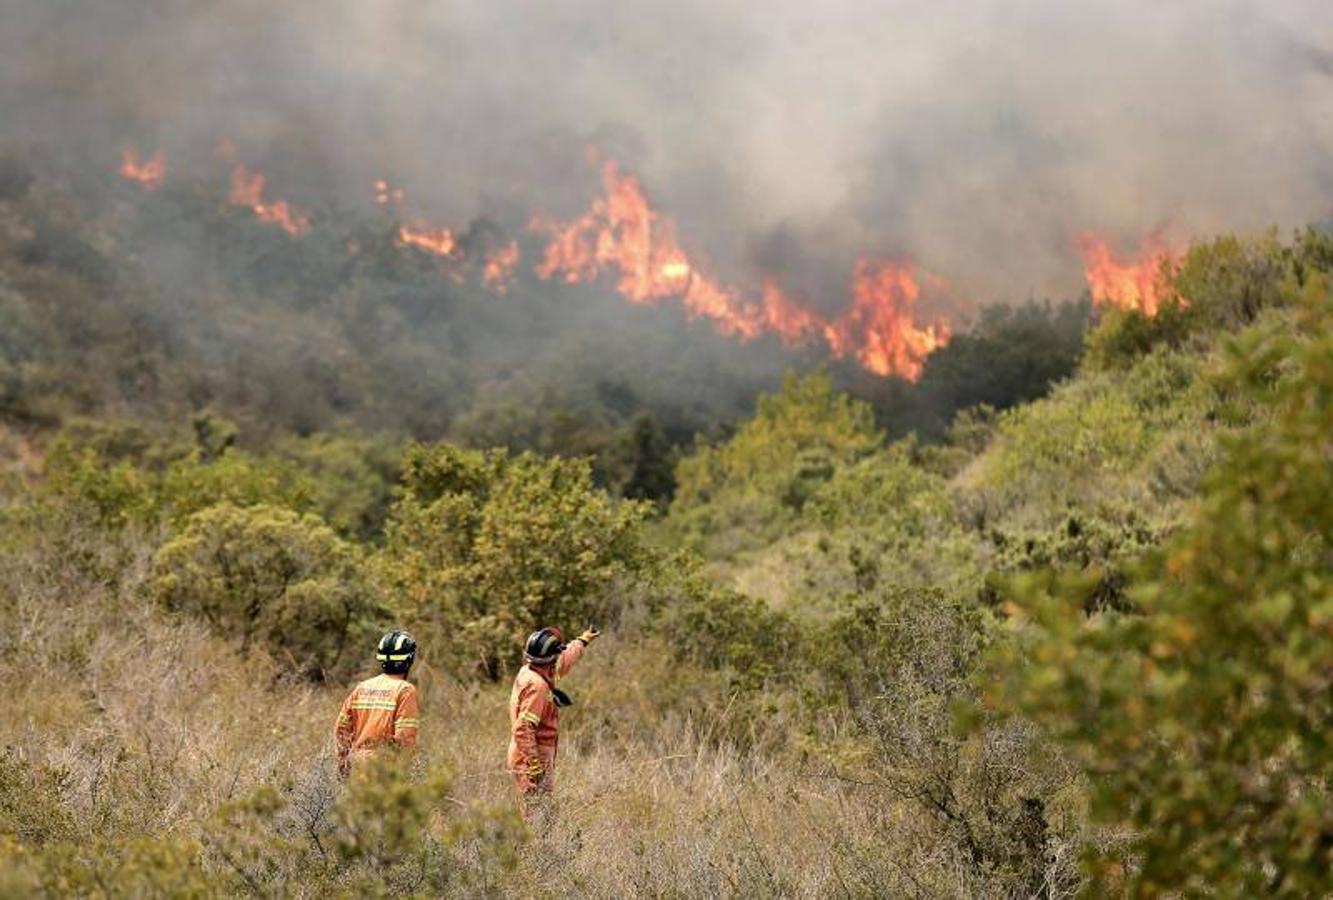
(534,708)
(380,711)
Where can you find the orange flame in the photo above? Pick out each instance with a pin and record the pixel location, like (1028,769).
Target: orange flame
(436,241)
(623,236)
(247,189)
(879,329)
(149,173)
(1126,284)
(387,195)
(498,272)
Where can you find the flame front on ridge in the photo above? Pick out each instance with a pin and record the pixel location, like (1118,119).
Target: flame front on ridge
(1127,284)
(623,237)
(247,189)
(149,173)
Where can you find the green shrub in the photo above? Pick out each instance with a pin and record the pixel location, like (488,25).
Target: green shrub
(268,576)
(138,867)
(1123,335)
(347,480)
(1202,719)
(746,492)
(721,629)
(236,478)
(34,802)
(483,547)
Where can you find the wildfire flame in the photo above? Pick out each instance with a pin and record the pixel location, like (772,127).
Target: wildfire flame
(621,235)
(1126,284)
(149,174)
(247,189)
(436,241)
(498,273)
(387,195)
(879,328)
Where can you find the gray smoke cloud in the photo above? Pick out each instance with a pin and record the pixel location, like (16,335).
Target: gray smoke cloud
(976,136)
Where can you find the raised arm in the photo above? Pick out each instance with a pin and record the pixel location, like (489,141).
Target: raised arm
(573,651)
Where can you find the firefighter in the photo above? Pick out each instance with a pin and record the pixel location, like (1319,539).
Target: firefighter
(380,711)
(534,704)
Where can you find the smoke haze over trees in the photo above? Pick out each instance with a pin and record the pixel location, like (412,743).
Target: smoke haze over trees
(976,137)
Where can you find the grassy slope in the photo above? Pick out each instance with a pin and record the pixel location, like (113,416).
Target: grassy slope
(665,788)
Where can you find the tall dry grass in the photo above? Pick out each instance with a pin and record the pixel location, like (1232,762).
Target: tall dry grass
(668,785)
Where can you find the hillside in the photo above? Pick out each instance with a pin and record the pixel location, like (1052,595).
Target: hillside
(155,306)
(1079,642)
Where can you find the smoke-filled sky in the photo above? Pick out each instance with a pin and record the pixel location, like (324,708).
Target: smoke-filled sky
(976,136)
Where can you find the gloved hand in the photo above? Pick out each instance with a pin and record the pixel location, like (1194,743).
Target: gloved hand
(589,635)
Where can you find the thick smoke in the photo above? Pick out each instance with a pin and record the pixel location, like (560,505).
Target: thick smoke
(976,136)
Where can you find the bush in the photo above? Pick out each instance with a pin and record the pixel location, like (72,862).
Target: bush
(268,576)
(483,547)
(1202,718)
(901,664)
(749,490)
(348,480)
(1107,438)
(720,629)
(33,798)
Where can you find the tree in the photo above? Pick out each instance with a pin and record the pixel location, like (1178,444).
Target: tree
(483,547)
(750,488)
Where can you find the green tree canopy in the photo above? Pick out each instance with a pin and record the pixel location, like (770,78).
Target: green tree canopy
(483,547)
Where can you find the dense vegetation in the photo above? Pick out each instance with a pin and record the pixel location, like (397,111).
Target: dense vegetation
(155,306)
(1064,641)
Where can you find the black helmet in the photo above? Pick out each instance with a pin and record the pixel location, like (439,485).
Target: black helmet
(396,652)
(543,647)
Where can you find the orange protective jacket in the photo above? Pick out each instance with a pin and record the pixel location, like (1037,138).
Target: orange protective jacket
(534,722)
(380,711)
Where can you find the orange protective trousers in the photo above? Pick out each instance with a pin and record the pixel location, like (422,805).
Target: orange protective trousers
(534,722)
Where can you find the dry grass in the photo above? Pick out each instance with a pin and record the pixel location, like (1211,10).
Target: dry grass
(155,725)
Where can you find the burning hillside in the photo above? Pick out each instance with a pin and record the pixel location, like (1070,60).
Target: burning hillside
(622,240)
(622,237)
